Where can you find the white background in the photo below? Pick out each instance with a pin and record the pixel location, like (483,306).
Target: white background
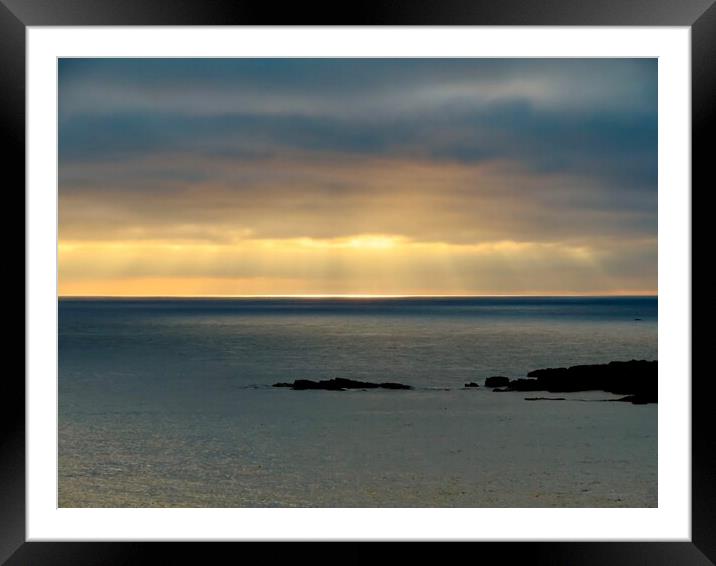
(670,521)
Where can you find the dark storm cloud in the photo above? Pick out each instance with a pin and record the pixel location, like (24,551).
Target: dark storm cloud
(570,145)
(595,118)
(138,82)
(620,147)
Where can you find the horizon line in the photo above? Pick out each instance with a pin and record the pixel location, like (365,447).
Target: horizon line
(363,296)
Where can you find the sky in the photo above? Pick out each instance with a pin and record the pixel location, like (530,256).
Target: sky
(357,176)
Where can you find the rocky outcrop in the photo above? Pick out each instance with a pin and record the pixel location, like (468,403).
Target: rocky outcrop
(637,379)
(497,381)
(339,384)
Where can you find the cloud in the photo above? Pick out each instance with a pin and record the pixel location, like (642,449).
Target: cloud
(560,154)
(587,143)
(304,196)
(348,86)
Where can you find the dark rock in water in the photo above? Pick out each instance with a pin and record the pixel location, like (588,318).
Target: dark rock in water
(497,381)
(545,398)
(523,384)
(637,378)
(303,384)
(389,385)
(471,384)
(339,384)
(503,390)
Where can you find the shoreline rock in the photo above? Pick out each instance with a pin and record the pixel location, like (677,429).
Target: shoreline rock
(497,381)
(637,379)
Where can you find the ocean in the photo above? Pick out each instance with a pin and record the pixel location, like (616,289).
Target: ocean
(168,403)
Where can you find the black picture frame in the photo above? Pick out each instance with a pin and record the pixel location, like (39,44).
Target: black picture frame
(16,15)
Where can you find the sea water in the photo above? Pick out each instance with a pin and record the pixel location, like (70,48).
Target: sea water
(168,402)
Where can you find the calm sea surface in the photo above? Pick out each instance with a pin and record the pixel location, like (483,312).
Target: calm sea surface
(167,402)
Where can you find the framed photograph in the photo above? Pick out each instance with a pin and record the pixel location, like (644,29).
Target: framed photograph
(423,274)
